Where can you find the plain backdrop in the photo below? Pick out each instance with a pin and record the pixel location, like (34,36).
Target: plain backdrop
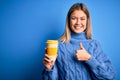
(25,25)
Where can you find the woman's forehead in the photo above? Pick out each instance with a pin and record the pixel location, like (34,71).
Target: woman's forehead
(78,13)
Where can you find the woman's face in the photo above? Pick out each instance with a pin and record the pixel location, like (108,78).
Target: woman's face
(78,20)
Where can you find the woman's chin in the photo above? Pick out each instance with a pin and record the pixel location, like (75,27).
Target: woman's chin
(78,31)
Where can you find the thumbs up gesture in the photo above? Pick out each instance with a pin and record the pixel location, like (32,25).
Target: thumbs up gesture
(82,54)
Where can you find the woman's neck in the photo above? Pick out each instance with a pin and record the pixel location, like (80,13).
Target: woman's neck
(79,36)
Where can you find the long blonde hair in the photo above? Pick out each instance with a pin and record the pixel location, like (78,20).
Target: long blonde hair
(67,34)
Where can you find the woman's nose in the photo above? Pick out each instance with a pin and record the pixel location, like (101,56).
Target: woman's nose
(78,21)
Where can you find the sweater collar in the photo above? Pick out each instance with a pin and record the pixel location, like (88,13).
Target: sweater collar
(79,36)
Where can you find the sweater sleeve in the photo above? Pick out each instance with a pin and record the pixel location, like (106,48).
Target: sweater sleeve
(100,65)
(50,74)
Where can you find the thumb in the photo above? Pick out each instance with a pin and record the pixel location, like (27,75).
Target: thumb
(81,46)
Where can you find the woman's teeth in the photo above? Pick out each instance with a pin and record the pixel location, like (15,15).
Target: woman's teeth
(78,27)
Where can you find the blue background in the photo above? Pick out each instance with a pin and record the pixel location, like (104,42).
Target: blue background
(25,25)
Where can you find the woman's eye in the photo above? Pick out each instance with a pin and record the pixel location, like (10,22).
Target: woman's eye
(73,18)
(83,19)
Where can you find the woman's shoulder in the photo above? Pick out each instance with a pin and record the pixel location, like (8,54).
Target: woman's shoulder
(60,43)
(93,42)
(63,45)
(96,41)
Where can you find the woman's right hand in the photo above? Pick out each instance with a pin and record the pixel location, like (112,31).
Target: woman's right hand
(49,62)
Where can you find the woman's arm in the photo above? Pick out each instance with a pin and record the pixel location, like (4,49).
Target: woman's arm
(100,65)
(50,71)
(50,74)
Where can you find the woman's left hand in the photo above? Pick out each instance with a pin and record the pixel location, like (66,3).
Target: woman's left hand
(82,54)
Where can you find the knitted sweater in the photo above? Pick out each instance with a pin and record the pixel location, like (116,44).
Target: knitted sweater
(67,67)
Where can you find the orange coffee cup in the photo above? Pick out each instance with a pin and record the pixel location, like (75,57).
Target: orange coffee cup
(52,48)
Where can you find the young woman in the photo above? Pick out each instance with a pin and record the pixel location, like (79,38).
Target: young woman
(79,56)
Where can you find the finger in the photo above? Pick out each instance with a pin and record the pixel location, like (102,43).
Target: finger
(81,46)
(49,64)
(77,51)
(47,60)
(47,56)
(77,56)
